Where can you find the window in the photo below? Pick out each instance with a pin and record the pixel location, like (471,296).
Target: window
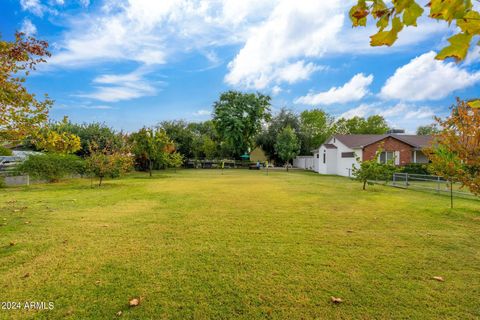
(386,156)
(324,156)
(348,154)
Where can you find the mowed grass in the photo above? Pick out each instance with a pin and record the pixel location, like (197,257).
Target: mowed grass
(200,245)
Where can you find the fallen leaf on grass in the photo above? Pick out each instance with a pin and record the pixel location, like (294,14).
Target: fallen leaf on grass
(349,231)
(12,243)
(438,278)
(336,300)
(27,222)
(97,282)
(134,302)
(26,275)
(119,313)
(105,225)
(16,210)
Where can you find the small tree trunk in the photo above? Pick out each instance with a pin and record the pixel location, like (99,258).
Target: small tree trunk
(451,194)
(365,185)
(150,165)
(100,182)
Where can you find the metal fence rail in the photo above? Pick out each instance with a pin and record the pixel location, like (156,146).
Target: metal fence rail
(429,183)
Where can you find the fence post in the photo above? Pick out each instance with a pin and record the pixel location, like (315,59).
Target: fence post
(406,180)
(393,182)
(438,184)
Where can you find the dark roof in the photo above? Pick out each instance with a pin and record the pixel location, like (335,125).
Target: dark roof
(361,140)
(330,146)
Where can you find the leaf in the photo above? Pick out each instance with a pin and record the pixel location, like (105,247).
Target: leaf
(387,38)
(336,300)
(358,14)
(411,14)
(438,278)
(119,313)
(470,23)
(134,302)
(457,49)
(475,104)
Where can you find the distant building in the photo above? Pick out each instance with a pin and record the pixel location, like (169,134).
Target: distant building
(340,152)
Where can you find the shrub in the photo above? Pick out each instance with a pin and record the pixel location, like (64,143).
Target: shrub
(5,151)
(415,168)
(104,164)
(51,166)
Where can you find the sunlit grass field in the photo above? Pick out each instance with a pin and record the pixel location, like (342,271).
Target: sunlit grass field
(201,245)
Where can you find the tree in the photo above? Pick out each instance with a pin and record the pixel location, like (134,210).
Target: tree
(460,140)
(287,146)
(315,127)
(103,163)
(373,170)
(182,134)
(151,146)
(50,140)
(238,118)
(392,19)
(372,125)
(267,138)
(175,160)
(51,166)
(21,113)
(428,130)
(447,165)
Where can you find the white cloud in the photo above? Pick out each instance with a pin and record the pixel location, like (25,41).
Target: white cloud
(294,30)
(353,90)
(202,113)
(28,27)
(113,88)
(34,6)
(425,78)
(276,90)
(361,111)
(401,115)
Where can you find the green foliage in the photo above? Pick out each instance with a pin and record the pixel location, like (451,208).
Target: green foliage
(5,151)
(151,148)
(315,127)
(238,118)
(287,146)
(108,164)
(428,130)
(175,160)
(416,168)
(57,140)
(370,170)
(51,166)
(406,13)
(94,134)
(21,113)
(268,136)
(372,125)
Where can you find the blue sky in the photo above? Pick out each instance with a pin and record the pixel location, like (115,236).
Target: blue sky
(131,63)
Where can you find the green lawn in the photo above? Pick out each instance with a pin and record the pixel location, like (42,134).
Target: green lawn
(201,245)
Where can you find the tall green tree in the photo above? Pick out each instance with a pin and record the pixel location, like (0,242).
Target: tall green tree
(315,127)
(357,125)
(267,138)
(428,130)
(21,113)
(182,134)
(151,146)
(238,118)
(287,146)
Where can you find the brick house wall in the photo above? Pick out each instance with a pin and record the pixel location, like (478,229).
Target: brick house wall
(389,144)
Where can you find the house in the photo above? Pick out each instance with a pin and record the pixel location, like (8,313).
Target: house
(340,152)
